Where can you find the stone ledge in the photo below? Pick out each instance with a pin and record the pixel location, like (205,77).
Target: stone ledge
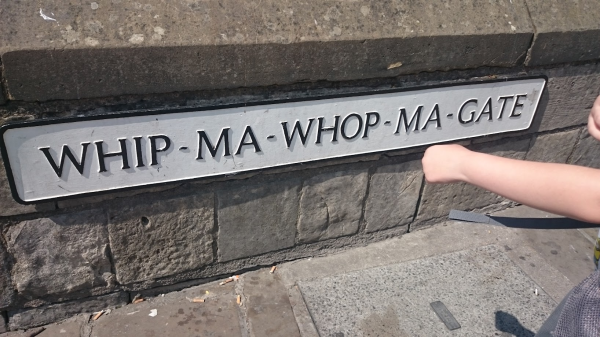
(130,48)
(566,31)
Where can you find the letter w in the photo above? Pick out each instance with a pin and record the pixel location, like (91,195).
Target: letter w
(297,127)
(66,152)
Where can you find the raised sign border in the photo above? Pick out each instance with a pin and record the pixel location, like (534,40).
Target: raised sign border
(149,112)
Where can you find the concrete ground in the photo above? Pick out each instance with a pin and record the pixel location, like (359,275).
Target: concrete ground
(496,281)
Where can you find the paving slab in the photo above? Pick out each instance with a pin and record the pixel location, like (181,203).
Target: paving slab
(567,250)
(523,246)
(176,315)
(484,290)
(268,307)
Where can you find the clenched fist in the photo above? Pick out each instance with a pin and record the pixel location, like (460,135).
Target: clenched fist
(444,163)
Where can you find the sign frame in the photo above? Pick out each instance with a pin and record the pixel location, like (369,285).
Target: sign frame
(150,112)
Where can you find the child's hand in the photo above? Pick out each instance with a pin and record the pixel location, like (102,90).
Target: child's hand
(442,163)
(594,120)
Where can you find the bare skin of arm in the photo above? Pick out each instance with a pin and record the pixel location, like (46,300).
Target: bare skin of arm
(568,190)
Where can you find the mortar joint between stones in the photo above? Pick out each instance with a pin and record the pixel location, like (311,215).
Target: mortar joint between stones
(418,205)
(362,223)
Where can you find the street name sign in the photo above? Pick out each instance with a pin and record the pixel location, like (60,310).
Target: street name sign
(61,158)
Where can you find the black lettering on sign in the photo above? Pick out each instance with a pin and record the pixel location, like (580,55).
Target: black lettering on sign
(369,124)
(154,150)
(213,150)
(517,104)
(471,114)
(435,112)
(122,154)
(139,152)
(248,132)
(333,128)
(504,99)
(487,110)
(358,129)
(414,119)
(66,152)
(297,128)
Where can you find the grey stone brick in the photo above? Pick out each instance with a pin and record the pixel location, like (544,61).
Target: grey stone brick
(331,205)
(6,288)
(60,254)
(553,148)
(27,318)
(393,195)
(587,151)
(257,218)
(568,97)
(566,31)
(438,199)
(162,237)
(9,206)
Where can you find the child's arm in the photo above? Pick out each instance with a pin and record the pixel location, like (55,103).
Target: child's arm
(568,190)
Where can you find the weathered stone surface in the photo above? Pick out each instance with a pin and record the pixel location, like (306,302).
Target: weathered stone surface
(6,288)
(163,237)
(8,205)
(23,319)
(131,194)
(59,254)
(268,307)
(566,31)
(553,148)
(587,151)
(71,327)
(253,44)
(393,195)
(256,218)
(331,205)
(437,200)
(176,316)
(3,327)
(568,97)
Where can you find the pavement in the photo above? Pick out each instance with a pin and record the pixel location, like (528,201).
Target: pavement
(494,280)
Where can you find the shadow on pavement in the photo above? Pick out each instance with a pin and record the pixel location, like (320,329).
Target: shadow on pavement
(506,322)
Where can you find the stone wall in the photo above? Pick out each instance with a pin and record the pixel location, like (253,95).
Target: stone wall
(64,257)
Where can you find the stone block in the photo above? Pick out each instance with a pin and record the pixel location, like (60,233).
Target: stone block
(161,237)
(437,200)
(253,44)
(566,31)
(3,327)
(568,97)
(331,205)
(27,318)
(393,196)
(553,148)
(257,218)
(586,151)
(6,289)
(9,206)
(60,254)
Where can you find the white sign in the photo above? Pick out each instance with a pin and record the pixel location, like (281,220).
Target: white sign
(69,157)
